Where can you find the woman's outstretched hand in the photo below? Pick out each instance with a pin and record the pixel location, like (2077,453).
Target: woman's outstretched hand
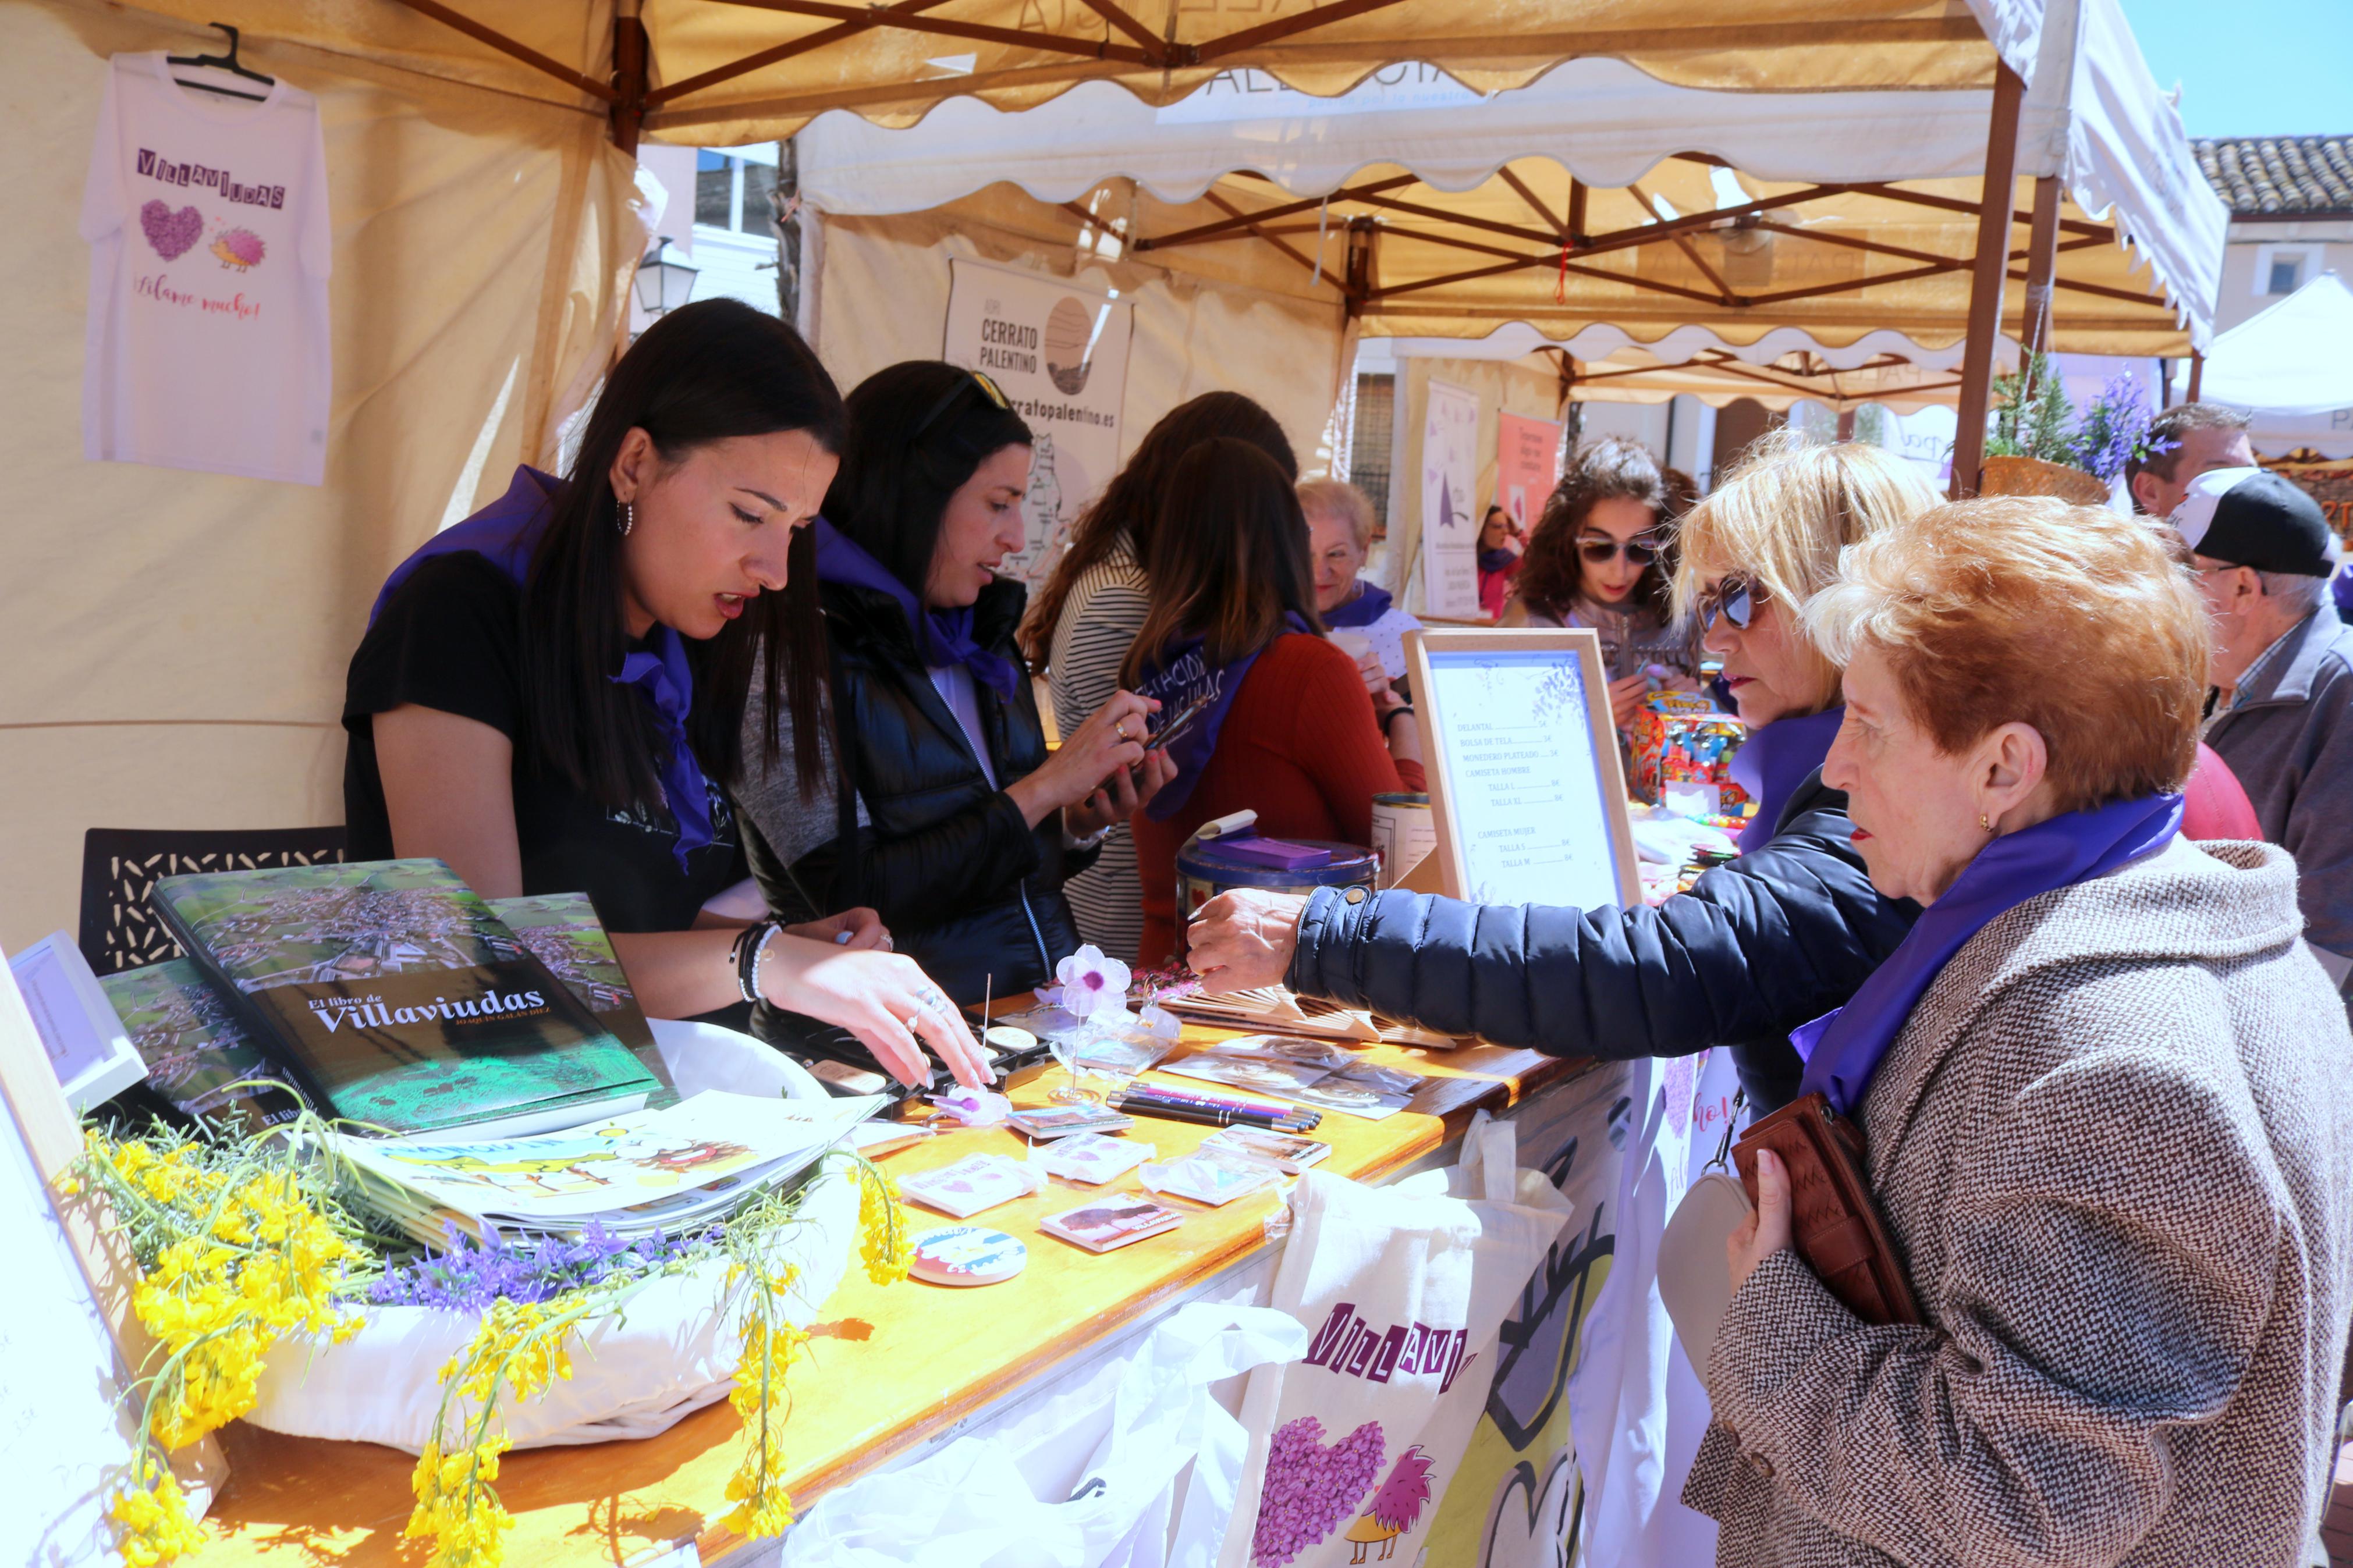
(886,1000)
(1766,1231)
(1111,741)
(1243,940)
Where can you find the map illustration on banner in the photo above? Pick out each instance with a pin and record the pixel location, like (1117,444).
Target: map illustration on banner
(1527,465)
(1450,521)
(1060,355)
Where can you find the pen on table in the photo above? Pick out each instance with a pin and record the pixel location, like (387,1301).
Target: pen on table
(1185,1108)
(1226,1103)
(1204,1116)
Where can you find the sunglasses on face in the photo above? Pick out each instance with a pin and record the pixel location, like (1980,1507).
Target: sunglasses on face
(1598,548)
(1735,599)
(986,388)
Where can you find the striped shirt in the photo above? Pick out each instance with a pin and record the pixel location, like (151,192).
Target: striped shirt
(1104,610)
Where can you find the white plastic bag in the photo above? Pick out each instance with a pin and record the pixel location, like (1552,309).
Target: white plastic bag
(1014,1499)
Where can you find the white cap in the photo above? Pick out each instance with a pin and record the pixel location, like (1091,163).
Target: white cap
(2195,515)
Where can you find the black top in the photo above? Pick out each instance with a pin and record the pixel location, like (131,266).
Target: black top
(968,889)
(451,638)
(1771,941)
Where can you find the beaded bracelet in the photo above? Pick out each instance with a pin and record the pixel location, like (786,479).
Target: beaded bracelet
(750,943)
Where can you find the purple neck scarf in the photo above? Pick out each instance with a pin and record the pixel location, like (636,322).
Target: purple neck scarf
(1370,604)
(1179,678)
(504,533)
(1495,560)
(943,638)
(1843,1050)
(1775,760)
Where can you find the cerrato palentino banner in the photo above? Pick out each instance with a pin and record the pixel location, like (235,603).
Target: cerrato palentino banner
(1060,353)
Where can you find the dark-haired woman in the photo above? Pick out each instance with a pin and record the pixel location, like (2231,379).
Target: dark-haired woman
(959,824)
(1594,559)
(1501,549)
(548,694)
(1289,730)
(1090,610)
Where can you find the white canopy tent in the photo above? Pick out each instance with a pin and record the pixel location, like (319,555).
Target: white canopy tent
(2290,370)
(2092,117)
(2096,141)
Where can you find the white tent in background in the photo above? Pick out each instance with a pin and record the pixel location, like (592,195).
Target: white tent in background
(2290,369)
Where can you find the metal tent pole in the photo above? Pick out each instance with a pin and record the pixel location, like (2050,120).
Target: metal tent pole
(1987,273)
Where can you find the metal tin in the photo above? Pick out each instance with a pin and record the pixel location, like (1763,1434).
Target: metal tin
(1203,872)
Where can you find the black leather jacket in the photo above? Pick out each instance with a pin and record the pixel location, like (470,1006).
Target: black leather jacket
(1774,940)
(968,889)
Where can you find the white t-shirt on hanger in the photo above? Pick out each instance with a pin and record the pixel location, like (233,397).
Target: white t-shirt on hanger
(210,246)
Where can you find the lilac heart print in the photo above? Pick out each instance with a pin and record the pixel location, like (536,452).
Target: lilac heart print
(172,234)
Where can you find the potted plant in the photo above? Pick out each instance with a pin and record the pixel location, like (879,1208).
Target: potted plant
(2041,446)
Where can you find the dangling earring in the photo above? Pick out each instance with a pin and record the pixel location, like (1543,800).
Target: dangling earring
(628,517)
(1984,821)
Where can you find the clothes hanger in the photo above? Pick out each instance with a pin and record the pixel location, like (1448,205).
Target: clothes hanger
(228,62)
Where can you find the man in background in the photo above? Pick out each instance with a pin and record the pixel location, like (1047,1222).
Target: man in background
(2282,711)
(2185,441)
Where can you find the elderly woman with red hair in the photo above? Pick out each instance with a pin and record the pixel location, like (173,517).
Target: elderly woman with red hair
(2098,1089)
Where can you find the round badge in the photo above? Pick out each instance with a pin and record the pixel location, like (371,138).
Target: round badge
(967,1255)
(1010,1040)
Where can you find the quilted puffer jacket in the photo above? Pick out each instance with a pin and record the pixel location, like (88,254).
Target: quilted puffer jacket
(968,889)
(1773,940)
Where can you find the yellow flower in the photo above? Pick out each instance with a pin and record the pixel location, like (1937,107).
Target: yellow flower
(884,1244)
(153,1524)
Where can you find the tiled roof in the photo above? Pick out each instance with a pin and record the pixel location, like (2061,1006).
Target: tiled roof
(2274,176)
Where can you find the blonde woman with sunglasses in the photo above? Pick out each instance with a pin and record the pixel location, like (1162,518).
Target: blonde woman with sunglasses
(1598,558)
(1774,940)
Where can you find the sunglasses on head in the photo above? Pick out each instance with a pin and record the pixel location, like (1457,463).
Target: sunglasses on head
(1735,598)
(973,379)
(1598,548)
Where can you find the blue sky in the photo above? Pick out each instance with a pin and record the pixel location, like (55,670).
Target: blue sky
(2251,67)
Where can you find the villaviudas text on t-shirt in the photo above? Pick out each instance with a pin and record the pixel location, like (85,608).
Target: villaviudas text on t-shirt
(207,344)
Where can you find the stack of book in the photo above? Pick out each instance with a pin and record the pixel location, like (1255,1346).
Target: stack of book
(669,1169)
(390,996)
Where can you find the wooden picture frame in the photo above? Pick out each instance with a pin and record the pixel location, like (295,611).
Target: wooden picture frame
(1436,654)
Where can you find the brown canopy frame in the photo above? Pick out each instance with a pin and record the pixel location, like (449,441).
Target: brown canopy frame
(1535,244)
(803,56)
(668,64)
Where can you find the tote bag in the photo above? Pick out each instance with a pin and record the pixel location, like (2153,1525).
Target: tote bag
(1402,1290)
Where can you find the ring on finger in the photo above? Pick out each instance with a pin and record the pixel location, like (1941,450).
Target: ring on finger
(1120,730)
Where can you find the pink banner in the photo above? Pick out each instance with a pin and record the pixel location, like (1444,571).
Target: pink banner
(1527,465)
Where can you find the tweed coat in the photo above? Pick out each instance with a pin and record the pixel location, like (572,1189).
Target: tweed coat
(2113,1147)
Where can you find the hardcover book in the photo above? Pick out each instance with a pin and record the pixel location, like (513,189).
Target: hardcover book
(562,931)
(399,1000)
(198,1055)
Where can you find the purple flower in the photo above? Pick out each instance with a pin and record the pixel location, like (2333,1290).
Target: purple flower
(469,1275)
(1092,981)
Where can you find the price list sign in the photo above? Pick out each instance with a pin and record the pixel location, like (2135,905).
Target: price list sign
(1525,780)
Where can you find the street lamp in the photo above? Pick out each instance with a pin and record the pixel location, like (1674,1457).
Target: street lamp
(664,281)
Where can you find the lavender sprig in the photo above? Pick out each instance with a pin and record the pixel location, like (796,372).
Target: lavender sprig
(469,1275)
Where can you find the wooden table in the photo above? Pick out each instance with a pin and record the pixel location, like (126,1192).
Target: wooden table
(891,1369)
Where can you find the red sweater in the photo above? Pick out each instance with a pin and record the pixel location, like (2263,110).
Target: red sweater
(1300,747)
(2214,804)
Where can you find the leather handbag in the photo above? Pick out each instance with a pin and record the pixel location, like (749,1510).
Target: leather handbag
(1833,1222)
